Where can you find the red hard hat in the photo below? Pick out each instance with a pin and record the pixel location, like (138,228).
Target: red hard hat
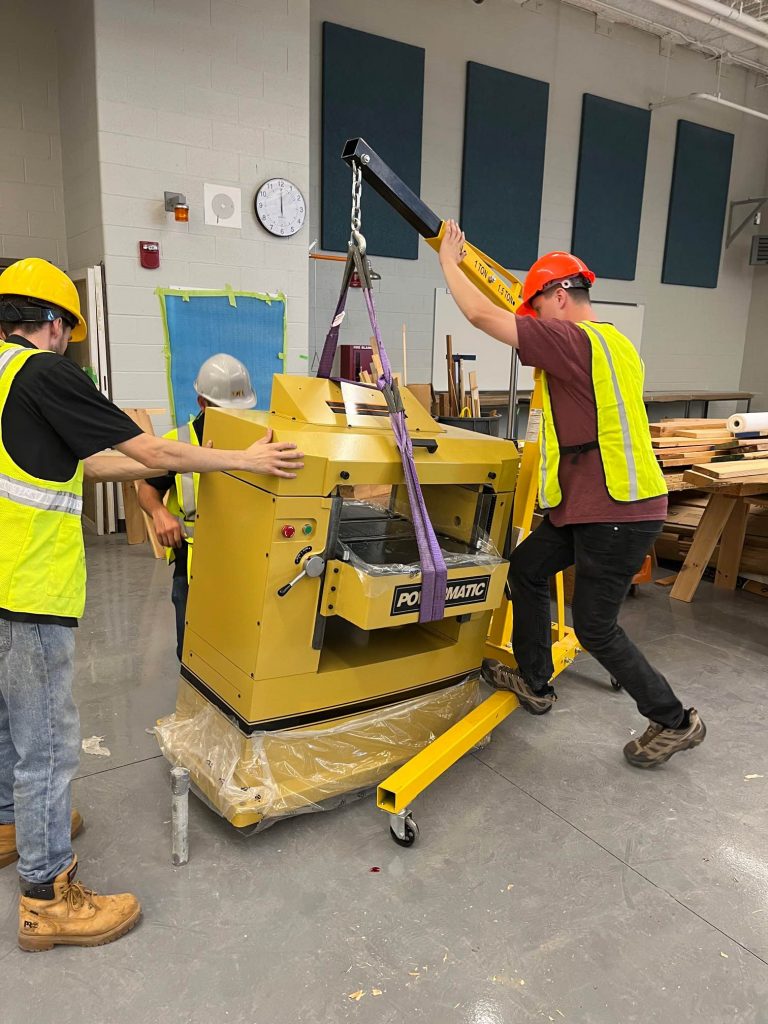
(554,268)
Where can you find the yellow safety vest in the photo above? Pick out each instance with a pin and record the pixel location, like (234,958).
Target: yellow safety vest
(182,501)
(631,470)
(42,556)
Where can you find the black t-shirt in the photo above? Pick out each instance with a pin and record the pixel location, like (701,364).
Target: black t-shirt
(53,418)
(164,483)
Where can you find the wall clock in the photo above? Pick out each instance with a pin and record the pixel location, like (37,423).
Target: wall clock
(280,207)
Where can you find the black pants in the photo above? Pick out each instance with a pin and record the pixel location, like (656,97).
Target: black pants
(606,556)
(179,594)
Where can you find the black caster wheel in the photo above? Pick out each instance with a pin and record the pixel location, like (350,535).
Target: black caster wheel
(615,684)
(633,590)
(411,833)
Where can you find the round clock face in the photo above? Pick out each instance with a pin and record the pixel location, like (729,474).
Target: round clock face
(280,207)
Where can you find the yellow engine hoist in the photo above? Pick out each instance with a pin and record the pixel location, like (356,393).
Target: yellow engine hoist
(334,638)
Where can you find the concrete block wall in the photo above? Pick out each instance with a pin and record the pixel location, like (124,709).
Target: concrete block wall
(692,337)
(195,91)
(31,179)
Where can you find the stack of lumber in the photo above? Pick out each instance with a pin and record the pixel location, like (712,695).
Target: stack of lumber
(684,515)
(681,443)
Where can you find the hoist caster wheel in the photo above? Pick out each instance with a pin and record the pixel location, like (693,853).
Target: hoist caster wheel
(633,590)
(411,833)
(615,684)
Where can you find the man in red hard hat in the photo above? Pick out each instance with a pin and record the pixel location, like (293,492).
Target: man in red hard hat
(602,492)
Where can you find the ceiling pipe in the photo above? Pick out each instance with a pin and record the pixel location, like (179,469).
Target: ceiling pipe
(729,28)
(665,31)
(710,98)
(731,15)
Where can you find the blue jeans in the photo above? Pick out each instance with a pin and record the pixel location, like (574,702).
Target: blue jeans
(39,743)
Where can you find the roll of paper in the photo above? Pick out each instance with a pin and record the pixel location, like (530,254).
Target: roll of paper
(743,422)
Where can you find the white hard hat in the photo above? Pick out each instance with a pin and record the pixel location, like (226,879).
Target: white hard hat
(225,382)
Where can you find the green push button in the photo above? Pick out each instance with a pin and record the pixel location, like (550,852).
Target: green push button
(306,529)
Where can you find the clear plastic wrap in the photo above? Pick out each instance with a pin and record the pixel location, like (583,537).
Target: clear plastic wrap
(256,780)
(457,554)
(485,554)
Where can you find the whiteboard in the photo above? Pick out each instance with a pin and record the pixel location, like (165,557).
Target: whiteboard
(494,357)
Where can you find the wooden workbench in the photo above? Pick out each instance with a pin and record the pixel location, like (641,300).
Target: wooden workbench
(499,400)
(724,522)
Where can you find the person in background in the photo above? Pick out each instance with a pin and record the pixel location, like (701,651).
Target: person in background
(601,490)
(224,383)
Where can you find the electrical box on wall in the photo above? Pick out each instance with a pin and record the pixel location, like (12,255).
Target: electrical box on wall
(149,255)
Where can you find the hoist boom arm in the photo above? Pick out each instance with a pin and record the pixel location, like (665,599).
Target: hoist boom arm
(501,286)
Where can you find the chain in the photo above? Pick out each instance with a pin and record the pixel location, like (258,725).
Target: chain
(356,236)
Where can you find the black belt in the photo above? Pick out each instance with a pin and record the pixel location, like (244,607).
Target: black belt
(578,449)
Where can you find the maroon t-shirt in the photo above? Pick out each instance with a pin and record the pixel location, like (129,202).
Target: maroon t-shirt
(563,351)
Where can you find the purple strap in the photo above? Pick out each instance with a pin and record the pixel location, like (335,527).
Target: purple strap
(332,338)
(434,574)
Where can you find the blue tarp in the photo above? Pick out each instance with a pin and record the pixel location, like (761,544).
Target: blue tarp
(249,326)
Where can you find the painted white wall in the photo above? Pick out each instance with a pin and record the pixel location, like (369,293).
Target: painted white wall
(167,94)
(754,371)
(692,337)
(79,134)
(31,180)
(195,91)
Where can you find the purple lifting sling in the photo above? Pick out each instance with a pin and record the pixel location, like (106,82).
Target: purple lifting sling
(434,575)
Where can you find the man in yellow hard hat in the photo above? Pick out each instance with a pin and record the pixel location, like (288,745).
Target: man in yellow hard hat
(51,419)
(602,492)
(222,382)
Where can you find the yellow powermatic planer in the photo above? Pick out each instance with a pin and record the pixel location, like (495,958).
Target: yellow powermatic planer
(306,674)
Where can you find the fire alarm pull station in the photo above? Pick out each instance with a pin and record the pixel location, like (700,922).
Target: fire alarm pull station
(149,255)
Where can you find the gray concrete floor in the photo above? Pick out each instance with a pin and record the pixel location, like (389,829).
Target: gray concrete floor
(551,882)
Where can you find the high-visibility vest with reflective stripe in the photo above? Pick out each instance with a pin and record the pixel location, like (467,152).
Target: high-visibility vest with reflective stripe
(182,501)
(42,557)
(631,470)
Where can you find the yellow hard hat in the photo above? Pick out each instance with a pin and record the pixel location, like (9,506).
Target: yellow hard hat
(48,288)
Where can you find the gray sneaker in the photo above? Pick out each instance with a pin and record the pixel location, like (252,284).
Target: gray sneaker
(502,678)
(658,744)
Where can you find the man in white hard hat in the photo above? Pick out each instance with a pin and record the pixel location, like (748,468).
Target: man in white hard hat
(224,383)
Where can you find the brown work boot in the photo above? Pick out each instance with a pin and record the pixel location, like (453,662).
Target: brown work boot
(65,913)
(502,678)
(658,744)
(8,851)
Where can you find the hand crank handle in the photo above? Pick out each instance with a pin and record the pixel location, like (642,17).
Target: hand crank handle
(314,566)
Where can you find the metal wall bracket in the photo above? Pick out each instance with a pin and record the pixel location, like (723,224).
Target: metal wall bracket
(603,26)
(174,199)
(755,205)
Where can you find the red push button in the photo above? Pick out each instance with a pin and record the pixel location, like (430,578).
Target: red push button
(288,531)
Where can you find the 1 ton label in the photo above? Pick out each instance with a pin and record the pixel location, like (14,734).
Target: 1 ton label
(472,590)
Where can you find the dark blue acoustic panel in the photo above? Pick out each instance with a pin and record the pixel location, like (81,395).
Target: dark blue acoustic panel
(609,186)
(505,130)
(373,88)
(697,205)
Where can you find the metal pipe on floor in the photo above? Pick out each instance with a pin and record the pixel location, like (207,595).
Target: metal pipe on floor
(179,816)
